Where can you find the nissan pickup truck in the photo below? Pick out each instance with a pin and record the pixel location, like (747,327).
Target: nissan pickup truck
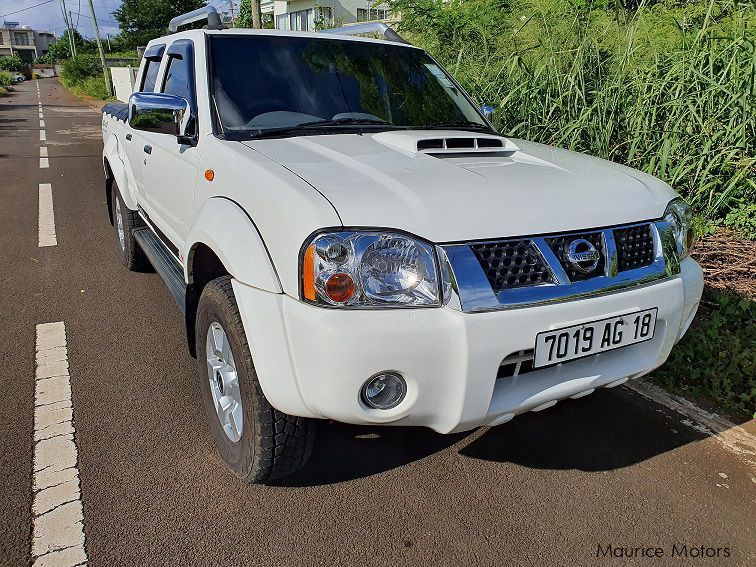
(350,239)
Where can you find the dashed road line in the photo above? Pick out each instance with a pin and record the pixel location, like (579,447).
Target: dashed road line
(44,163)
(43,151)
(57,513)
(43,135)
(41,115)
(47,236)
(41,123)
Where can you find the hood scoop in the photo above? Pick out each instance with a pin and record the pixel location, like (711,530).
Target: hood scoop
(445,142)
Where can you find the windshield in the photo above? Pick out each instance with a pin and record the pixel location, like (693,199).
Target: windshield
(265,83)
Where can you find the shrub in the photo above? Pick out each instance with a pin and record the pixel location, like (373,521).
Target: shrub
(80,68)
(717,357)
(6,79)
(83,75)
(14,63)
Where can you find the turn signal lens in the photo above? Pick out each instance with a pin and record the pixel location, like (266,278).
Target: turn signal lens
(339,287)
(308,273)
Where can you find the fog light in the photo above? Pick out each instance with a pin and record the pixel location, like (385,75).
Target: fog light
(384,391)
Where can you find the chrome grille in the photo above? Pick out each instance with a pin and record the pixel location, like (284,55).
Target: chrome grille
(482,278)
(635,247)
(560,245)
(510,264)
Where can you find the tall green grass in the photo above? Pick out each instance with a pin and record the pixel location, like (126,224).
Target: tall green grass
(668,89)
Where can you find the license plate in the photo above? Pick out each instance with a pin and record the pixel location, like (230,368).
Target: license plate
(569,343)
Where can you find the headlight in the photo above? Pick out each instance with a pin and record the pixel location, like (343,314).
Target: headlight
(369,269)
(680,216)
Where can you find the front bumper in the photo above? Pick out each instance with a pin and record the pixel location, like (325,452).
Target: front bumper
(312,361)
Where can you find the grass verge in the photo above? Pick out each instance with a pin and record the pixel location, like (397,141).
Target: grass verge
(715,362)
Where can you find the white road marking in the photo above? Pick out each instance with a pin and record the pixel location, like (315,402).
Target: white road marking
(42,135)
(41,115)
(47,236)
(44,163)
(41,123)
(43,151)
(57,513)
(734,438)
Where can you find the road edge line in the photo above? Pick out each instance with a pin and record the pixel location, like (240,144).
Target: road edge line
(732,437)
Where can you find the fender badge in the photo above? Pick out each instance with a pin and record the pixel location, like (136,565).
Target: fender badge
(209,174)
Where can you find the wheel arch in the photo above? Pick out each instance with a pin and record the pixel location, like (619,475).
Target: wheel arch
(223,240)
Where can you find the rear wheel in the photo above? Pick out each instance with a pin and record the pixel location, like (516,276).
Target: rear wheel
(126,221)
(258,442)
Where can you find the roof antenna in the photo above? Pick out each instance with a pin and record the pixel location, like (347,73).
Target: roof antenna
(206,12)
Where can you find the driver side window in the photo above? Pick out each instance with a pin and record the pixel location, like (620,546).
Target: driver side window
(177,79)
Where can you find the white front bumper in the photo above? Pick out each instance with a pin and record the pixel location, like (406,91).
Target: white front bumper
(312,361)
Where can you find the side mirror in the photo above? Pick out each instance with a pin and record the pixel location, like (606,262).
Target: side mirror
(163,114)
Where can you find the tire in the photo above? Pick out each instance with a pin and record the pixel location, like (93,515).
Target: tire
(270,444)
(126,220)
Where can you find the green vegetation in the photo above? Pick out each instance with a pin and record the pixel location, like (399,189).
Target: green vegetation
(83,75)
(13,64)
(666,87)
(6,79)
(144,20)
(716,359)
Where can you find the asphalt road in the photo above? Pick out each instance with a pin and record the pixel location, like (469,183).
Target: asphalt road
(545,489)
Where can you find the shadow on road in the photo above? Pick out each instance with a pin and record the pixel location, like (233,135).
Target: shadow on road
(609,430)
(346,452)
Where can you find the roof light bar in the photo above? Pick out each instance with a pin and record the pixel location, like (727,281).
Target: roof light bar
(207,12)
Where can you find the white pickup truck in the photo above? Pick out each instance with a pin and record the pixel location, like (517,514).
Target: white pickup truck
(351,239)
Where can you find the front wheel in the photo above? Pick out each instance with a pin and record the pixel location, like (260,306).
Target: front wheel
(258,442)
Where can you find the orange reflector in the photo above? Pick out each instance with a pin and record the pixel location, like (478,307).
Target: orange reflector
(308,273)
(340,287)
(209,174)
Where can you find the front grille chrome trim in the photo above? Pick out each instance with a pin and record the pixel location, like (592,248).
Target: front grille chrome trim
(473,293)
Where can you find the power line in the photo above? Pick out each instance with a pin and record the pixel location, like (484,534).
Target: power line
(25,9)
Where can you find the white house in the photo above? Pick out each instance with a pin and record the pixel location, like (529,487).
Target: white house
(307,15)
(23,41)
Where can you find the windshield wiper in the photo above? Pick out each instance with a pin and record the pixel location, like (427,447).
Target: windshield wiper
(316,124)
(460,124)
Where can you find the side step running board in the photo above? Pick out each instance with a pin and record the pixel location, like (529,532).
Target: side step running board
(164,263)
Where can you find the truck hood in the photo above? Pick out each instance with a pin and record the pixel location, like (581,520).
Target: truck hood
(383,180)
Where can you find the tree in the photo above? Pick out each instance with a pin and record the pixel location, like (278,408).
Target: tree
(61,48)
(14,63)
(250,15)
(144,20)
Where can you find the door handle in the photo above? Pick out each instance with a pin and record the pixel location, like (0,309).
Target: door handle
(147,149)
(128,137)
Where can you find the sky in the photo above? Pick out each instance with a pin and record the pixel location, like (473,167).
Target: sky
(49,15)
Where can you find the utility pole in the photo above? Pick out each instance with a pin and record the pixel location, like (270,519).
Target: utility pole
(70,32)
(233,18)
(71,47)
(99,47)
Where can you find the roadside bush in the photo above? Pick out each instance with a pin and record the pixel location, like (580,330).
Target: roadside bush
(14,63)
(83,75)
(6,79)
(666,88)
(716,359)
